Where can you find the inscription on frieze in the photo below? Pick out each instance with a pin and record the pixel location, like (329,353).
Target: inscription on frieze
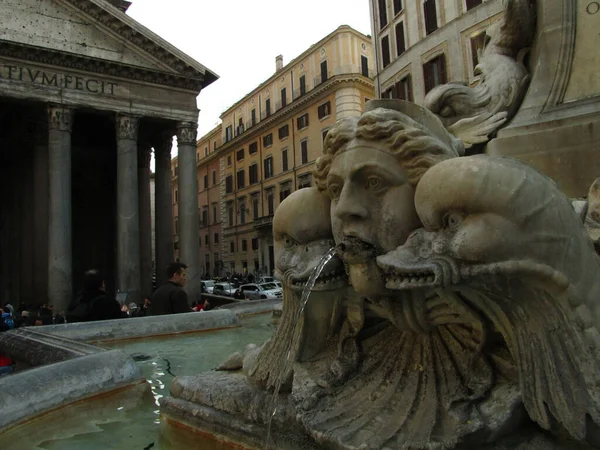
(58,80)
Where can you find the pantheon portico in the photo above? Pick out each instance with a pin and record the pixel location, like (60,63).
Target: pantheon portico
(86,93)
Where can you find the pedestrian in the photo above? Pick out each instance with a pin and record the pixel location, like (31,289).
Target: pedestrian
(170,298)
(93,303)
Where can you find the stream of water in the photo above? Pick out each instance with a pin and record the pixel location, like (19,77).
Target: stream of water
(306,291)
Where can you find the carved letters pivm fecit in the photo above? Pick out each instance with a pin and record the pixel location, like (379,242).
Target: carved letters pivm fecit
(60,118)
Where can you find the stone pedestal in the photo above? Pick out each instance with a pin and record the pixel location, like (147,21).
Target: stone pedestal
(60,261)
(189,234)
(128,226)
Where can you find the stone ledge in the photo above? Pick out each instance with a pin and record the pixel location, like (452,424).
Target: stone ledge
(250,307)
(138,327)
(35,391)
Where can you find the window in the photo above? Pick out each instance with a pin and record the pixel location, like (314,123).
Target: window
(230,214)
(229,184)
(268,107)
(477,45)
(284,160)
(403,89)
(215,218)
(240,128)
(400,43)
(253,148)
(434,72)
(242,206)
(215,145)
(244,245)
(255,245)
(241,179)
(302,121)
(302,85)
(430,11)
(239,155)
(253,173)
(285,192)
(206,151)
(205,216)
(304,181)
(473,3)
(270,203)
(255,209)
(382,13)
(364,66)
(200,241)
(269,167)
(324,73)
(397,6)
(324,135)
(216,238)
(205,181)
(284,131)
(324,110)
(176,226)
(385,51)
(229,160)
(268,140)
(228,133)
(176,195)
(206,238)
(304,151)
(283,97)
(232,247)
(253,117)
(214,177)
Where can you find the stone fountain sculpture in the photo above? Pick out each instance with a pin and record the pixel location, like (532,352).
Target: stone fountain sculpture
(460,311)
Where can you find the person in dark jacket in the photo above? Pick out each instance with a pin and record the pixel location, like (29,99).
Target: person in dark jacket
(93,303)
(170,298)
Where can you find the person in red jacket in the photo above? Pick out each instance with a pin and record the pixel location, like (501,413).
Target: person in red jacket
(6,365)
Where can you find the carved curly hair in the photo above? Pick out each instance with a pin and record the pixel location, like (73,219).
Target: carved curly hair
(414,146)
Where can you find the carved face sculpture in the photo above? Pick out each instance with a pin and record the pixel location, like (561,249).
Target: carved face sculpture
(372,207)
(302,235)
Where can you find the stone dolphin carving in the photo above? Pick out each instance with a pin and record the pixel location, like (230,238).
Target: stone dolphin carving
(473,113)
(504,239)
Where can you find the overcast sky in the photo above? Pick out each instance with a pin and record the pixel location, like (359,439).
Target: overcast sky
(239,39)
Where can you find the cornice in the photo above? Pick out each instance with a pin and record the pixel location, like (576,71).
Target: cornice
(96,65)
(132,32)
(320,91)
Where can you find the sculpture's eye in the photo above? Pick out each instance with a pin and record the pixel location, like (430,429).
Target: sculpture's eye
(375,184)
(452,220)
(446,111)
(288,242)
(334,190)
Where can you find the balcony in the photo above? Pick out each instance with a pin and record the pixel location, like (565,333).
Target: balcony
(263,223)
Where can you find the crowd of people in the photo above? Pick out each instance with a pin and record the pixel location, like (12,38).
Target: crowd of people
(94,303)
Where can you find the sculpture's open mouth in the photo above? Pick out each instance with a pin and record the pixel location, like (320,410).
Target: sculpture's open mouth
(353,249)
(435,273)
(331,278)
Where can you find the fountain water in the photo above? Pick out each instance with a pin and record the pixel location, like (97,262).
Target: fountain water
(310,283)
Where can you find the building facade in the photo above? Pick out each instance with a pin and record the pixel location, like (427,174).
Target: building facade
(420,44)
(270,140)
(85,93)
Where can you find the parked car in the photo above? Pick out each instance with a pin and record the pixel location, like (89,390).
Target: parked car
(207,286)
(266,280)
(226,289)
(258,291)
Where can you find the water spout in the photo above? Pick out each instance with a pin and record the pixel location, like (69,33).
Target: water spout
(306,291)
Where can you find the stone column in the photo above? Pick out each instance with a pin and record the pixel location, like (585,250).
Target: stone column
(128,225)
(60,244)
(144,151)
(163,206)
(189,233)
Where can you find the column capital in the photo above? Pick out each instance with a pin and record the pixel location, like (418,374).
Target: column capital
(60,118)
(127,127)
(162,143)
(186,133)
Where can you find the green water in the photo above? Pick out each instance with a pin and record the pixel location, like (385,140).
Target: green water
(130,419)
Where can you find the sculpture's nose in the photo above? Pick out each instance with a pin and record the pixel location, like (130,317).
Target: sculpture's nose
(350,204)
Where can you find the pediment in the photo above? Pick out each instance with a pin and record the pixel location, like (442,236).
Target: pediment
(96,30)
